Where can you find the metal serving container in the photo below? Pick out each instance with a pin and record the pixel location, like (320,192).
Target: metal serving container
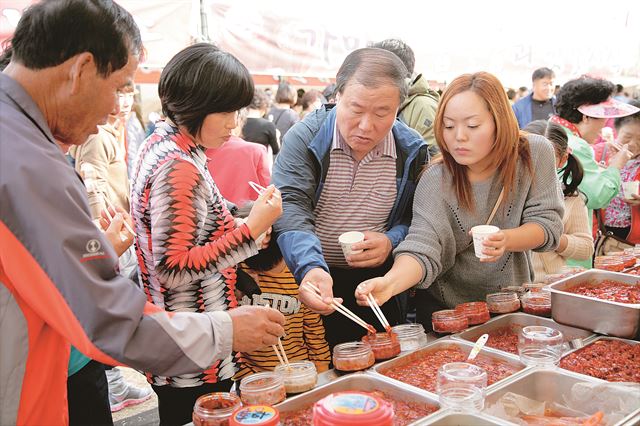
(450,418)
(600,316)
(358,382)
(576,337)
(464,346)
(548,386)
(631,342)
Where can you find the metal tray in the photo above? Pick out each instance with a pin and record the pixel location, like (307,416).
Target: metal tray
(576,337)
(450,418)
(548,386)
(361,382)
(464,346)
(631,342)
(600,316)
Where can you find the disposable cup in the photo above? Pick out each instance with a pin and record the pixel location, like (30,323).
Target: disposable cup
(481,233)
(630,188)
(347,239)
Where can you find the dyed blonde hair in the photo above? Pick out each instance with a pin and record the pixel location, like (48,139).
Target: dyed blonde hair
(510,144)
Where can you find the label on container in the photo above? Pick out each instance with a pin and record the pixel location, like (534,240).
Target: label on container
(354,404)
(254,415)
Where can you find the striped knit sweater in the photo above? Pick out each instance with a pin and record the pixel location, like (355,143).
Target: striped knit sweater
(186,240)
(304,330)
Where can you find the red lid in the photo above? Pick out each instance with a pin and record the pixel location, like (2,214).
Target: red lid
(262,415)
(352,409)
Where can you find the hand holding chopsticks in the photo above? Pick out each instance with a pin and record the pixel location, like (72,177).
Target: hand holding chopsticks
(281,354)
(260,190)
(344,310)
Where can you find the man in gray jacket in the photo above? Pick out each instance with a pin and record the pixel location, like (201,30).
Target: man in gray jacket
(350,168)
(58,279)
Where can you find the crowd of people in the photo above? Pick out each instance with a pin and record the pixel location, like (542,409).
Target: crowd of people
(187,253)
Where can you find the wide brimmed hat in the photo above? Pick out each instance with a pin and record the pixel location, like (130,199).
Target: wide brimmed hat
(610,108)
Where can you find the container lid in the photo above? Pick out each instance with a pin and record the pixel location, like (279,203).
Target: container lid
(263,415)
(352,409)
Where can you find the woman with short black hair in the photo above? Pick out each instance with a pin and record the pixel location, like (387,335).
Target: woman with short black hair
(187,242)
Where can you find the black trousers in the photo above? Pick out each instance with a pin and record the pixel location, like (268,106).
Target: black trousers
(338,328)
(175,405)
(88,396)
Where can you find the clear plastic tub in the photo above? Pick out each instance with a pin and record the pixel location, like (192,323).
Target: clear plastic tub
(384,345)
(540,346)
(410,336)
(262,389)
(298,376)
(503,303)
(215,409)
(353,356)
(449,321)
(537,303)
(462,387)
(476,312)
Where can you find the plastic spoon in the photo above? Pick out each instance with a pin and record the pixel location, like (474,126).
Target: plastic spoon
(478,346)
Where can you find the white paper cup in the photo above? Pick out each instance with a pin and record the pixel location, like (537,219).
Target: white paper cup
(480,233)
(347,239)
(630,188)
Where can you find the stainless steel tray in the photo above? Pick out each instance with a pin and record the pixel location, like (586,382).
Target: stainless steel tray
(450,418)
(464,346)
(632,342)
(361,382)
(574,336)
(600,316)
(548,386)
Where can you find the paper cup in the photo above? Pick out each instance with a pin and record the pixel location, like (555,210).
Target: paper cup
(349,238)
(480,233)
(630,188)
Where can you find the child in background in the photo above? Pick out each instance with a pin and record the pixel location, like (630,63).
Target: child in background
(622,216)
(576,241)
(277,287)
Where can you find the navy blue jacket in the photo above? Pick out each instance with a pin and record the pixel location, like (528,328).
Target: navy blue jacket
(522,109)
(299,173)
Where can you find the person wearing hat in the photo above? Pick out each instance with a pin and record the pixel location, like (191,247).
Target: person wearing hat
(582,108)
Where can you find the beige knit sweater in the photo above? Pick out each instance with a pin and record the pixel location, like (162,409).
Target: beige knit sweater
(577,228)
(105,153)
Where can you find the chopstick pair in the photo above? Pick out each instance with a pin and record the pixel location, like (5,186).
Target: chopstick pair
(124,222)
(378,312)
(281,354)
(344,310)
(259,189)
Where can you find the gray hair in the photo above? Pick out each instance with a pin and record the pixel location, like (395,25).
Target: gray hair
(372,67)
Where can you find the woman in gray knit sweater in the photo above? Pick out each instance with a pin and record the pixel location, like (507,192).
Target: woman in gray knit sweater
(483,151)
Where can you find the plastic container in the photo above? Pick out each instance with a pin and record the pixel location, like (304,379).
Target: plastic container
(537,303)
(410,336)
(262,389)
(256,415)
(534,287)
(540,346)
(298,376)
(503,303)
(517,289)
(353,356)
(215,409)
(462,386)
(476,312)
(449,321)
(352,409)
(384,345)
